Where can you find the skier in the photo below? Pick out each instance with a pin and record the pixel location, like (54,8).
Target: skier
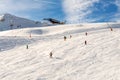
(70,36)
(85,42)
(51,54)
(26,46)
(86,33)
(65,38)
(30,35)
(111,29)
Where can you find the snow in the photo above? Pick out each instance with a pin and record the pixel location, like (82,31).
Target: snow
(72,59)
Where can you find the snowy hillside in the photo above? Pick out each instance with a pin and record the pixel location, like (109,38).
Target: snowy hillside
(99,59)
(8,21)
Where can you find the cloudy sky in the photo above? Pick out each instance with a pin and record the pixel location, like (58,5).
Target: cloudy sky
(73,11)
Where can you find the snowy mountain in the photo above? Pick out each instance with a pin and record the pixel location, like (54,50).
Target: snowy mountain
(25,53)
(8,22)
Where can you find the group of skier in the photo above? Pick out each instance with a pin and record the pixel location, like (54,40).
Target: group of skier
(65,38)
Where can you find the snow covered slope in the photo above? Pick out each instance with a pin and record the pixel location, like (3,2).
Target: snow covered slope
(8,22)
(72,59)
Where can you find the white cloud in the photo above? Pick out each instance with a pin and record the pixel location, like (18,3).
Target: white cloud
(11,5)
(22,5)
(117,15)
(24,8)
(78,10)
(46,1)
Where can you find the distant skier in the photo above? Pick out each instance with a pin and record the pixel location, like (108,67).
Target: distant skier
(86,33)
(65,38)
(85,42)
(26,46)
(111,29)
(30,35)
(51,54)
(70,36)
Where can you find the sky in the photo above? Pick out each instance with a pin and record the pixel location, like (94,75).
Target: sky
(72,11)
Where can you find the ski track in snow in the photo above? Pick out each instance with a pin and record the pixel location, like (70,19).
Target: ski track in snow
(72,59)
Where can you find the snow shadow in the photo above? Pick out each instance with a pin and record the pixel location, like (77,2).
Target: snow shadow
(82,30)
(7,43)
(115,25)
(37,31)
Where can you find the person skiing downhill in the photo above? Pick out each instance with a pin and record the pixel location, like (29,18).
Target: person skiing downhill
(86,33)
(111,29)
(26,46)
(65,38)
(85,42)
(70,36)
(51,54)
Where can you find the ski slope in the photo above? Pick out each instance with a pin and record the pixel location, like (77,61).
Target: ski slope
(72,59)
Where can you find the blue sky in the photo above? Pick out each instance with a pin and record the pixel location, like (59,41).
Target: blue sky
(73,11)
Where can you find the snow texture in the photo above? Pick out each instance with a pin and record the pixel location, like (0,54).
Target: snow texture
(72,59)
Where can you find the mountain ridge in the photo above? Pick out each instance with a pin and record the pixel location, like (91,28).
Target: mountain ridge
(8,22)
